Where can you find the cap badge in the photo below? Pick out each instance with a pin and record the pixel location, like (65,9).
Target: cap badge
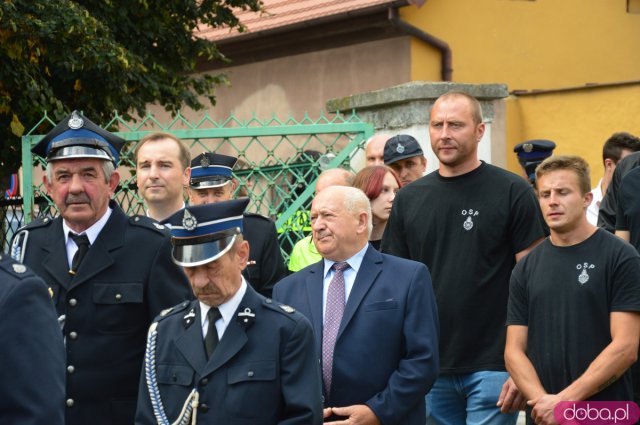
(19,268)
(527,147)
(400,149)
(189,222)
(204,161)
(75,122)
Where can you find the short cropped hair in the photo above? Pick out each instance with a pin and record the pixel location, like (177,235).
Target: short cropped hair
(185,155)
(476,108)
(618,142)
(567,162)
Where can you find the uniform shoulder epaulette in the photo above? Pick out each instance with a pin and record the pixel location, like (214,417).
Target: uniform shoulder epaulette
(34,224)
(15,269)
(279,307)
(260,216)
(168,312)
(148,223)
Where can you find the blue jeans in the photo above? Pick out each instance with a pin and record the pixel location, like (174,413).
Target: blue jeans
(468,399)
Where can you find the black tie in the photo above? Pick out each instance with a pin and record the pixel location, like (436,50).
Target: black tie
(82,241)
(211,339)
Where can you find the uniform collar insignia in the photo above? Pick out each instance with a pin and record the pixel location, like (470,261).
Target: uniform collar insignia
(246,317)
(189,317)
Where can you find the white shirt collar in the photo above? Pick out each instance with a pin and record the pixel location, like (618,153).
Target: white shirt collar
(92,232)
(354,262)
(227,310)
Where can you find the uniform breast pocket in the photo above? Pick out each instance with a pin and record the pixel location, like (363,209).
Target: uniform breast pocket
(119,307)
(175,375)
(253,389)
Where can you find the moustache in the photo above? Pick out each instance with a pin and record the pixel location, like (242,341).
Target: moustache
(77,199)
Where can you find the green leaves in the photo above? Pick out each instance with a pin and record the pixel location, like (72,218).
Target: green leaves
(99,56)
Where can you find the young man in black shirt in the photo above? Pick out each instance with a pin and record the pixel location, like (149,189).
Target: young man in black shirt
(573,321)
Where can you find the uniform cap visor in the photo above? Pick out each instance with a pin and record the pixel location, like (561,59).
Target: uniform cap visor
(69,152)
(209,183)
(187,254)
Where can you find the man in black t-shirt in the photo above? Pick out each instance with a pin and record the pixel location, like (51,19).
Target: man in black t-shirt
(628,213)
(469,222)
(573,321)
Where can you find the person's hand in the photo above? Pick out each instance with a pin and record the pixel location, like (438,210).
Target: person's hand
(542,413)
(358,414)
(511,399)
(326,413)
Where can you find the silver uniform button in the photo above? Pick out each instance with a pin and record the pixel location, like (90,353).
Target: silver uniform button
(250,374)
(118,297)
(70,402)
(71,369)
(73,302)
(73,335)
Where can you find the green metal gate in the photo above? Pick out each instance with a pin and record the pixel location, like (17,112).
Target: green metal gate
(278,161)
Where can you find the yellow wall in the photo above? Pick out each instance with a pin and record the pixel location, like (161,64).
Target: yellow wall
(539,44)
(578,121)
(542,44)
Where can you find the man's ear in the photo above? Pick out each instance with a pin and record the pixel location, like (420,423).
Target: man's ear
(46,183)
(242,254)
(186,176)
(113,182)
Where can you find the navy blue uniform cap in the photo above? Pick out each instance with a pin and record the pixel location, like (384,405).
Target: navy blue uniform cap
(78,137)
(531,153)
(203,233)
(401,147)
(211,170)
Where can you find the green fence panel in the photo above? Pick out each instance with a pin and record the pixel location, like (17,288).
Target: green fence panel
(278,161)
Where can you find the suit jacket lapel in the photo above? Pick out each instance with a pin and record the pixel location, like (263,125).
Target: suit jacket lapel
(314,283)
(100,256)
(369,269)
(55,258)
(191,343)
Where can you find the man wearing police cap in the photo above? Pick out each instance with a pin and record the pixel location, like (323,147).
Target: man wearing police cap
(232,356)
(32,354)
(531,153)
(212,181)
(109,274)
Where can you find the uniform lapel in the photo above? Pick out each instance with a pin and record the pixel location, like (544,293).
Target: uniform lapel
(55,257)
(191,342)
(369,270)
(314,284)
(100,255)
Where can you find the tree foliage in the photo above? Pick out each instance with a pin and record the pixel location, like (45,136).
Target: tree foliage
(100,56)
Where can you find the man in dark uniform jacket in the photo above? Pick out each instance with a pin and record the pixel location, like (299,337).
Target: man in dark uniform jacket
(232,356)
(109,274)
(32,353)
(211,181)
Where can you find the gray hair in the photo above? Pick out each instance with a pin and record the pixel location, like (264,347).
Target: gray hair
(355,201)
(107,168)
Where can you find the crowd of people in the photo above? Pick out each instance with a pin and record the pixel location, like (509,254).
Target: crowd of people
(459,297)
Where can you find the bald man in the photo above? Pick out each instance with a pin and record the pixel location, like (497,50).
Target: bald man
(374,151)
(304,251)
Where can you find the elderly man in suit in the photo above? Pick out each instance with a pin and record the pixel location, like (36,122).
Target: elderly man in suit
(109,274)
(236,355)
(374,316)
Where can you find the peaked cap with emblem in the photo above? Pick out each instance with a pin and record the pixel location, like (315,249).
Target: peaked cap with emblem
(533,152)
(211,170)
(401,147)
(78,137)
(203,233)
